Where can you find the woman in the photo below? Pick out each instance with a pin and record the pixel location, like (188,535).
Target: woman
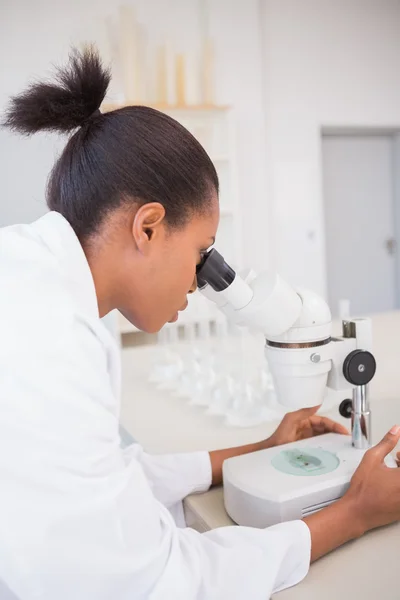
(134,205)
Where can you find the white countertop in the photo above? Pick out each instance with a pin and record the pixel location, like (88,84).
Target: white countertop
(161,423)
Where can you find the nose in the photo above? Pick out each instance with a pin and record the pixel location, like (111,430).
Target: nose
(193,287)
(184,307)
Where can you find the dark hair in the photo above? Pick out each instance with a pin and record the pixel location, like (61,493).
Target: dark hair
(132,154)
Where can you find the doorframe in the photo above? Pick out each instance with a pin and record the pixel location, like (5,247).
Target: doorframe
(368,131)
(396,209)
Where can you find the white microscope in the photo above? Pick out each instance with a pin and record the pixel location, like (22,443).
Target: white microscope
(294,480)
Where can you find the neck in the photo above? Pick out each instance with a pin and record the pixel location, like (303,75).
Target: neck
(103,278)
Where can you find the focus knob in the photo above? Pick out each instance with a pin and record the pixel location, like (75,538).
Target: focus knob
(359,367)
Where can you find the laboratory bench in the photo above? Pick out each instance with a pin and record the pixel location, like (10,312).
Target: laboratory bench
(365,568)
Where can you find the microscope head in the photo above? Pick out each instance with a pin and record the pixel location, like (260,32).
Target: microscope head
(296,326)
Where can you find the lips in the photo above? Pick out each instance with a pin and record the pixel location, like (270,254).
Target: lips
(176,315)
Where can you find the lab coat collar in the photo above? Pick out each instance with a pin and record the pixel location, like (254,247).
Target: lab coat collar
(59,237)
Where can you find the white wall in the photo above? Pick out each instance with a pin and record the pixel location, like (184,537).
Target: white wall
(327,63)
(35,34)
(322,63)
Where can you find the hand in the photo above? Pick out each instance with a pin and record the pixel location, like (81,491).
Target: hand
(374,490)
(295,426)
(372,500)
(303,424)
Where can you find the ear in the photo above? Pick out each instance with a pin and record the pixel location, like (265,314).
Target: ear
(148,225)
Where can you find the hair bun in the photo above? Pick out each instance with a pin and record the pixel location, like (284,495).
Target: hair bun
(74,97)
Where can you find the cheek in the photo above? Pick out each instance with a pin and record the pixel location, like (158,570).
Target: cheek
(191,270)
(185,271)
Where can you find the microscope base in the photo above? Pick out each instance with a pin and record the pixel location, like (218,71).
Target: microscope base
(289,482)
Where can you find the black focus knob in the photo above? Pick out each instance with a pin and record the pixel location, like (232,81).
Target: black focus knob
(345,408)
(359,367)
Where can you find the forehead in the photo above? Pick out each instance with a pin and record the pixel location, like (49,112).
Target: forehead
(205,225)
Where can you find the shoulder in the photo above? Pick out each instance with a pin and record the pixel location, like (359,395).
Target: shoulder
(40,305)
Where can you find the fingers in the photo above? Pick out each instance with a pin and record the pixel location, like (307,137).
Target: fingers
(302,414)
(398,459)
(386,445)
(324,425)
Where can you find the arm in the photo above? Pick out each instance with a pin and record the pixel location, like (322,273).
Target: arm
(333,527)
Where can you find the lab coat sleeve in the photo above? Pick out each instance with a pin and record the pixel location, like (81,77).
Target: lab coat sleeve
(172,477)
(280,554)
(240,562)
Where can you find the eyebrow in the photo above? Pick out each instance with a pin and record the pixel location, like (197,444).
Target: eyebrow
(212,238)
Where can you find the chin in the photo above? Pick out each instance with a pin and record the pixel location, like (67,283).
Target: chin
(152,329)
(149,327)
(145,325)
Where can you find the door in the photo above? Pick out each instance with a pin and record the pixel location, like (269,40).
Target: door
(358,187)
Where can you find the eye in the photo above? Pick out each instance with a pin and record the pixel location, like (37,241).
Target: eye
(199,262)
(203,254)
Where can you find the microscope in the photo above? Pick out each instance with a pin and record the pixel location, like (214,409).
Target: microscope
(294,480)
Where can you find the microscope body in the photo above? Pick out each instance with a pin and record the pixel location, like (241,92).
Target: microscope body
(294,480)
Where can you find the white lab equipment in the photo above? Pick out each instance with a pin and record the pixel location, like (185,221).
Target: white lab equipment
(294,480)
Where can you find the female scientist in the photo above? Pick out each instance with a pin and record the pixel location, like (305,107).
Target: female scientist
(133,204)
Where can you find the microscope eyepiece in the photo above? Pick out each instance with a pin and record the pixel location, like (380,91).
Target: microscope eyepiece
(214,271)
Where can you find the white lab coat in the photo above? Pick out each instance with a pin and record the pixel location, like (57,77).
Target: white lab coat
(80,519)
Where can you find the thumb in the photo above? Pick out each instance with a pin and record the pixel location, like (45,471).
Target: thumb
(386,445)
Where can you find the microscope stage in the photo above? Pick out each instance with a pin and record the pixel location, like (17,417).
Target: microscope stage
(289,482)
